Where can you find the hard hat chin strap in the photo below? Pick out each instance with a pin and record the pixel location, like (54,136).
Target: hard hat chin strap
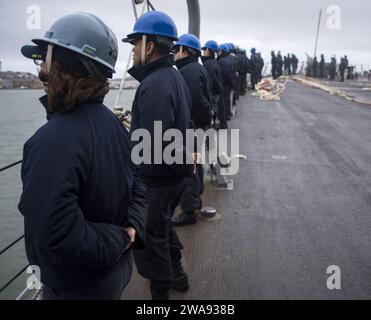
(49,57)
(91,67)
(143,51)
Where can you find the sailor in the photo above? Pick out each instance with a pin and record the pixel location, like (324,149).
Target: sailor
(322,66)
(245,70)
(261,66)
(342,67)
(289,64)
(255,61)
(333,67)
(315,68)
(274,65)
(237,74)
(83,203)
(280,64)
(187,52)
(233,61)
(163,97)
(241,69)
(294,61)
(227,72)
(286,65)
(210,50)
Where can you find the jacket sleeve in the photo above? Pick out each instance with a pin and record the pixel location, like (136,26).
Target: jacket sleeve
(231,75)
(217,82)
(204,99)
(137,211)
(52,176)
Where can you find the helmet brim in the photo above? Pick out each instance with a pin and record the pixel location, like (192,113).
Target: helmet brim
(138,34)
(187,46)
(34,52)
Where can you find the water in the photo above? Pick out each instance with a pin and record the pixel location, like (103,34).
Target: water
(21,114)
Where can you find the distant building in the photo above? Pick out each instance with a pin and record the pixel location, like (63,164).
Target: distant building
(19,80)
(23,80)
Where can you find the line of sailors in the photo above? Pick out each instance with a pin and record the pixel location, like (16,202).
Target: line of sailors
(287,65)
(318,69)
(214,88)
(88,210)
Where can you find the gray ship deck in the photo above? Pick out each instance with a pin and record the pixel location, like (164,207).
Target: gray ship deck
(287,220)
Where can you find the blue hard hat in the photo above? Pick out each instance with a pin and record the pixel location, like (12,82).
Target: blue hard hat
(212,45)
(224,47)
(154,23)
(190,41)
(231,45)
(253,50)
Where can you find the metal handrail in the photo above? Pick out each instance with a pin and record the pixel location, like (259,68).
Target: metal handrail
(13,279)
(11,165)
(15,241)
(11,245)
(21,237)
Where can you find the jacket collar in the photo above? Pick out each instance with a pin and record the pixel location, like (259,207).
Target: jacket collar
(49,113)
(183,62)
(44,102)
(204,59)
(140,72)
(223,55)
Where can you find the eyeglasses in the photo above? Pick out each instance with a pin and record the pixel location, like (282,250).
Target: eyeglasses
(38,62)
(134,41)
(175,50)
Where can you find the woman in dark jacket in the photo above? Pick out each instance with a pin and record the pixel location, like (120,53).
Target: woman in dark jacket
(84,207)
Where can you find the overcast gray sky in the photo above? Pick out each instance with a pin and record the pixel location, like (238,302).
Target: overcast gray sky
(286,25)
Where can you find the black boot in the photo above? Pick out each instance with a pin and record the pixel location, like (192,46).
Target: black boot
(179,282)
(185,219)
(160,290)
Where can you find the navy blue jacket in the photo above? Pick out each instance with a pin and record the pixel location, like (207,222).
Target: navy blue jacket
(233,61)
(279,61)
(241,63)
(213,73)
(226,70)
(195,76)
(80,191)
(246,64)
(255,60)
(162,96)
(274,61)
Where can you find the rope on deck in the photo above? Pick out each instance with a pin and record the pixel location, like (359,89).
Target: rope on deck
(318,85)
(270,89)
